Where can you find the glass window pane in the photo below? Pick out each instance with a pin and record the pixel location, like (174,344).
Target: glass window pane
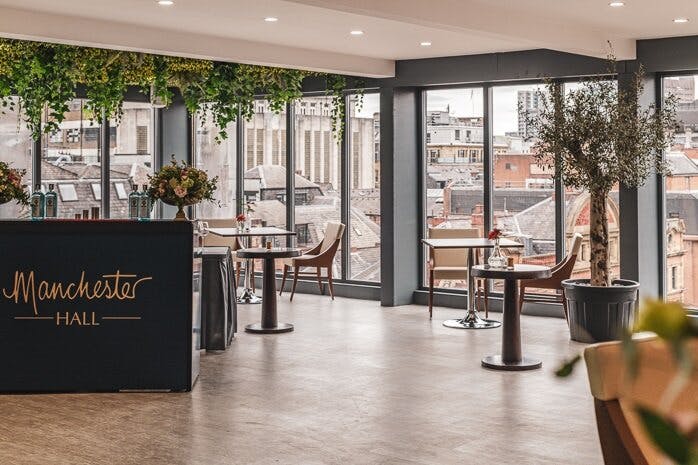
(524,201)
(364,149)
(454,165)
(264,159)
(217,159)
(71,157)
(318,168)
(681,188)
(15,149)
(131,153)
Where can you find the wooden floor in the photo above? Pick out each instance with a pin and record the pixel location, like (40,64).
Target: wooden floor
(354,384)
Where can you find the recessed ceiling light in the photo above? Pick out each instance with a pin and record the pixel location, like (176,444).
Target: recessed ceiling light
(616,4)
(165,2)
(271,19)
(425,44)
(681,20)
(357,32)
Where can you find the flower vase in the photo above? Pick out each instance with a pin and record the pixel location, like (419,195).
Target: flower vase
(247,224)
(497,259)
(181,216)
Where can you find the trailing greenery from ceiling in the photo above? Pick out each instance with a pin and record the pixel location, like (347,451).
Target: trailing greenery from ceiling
(44,77)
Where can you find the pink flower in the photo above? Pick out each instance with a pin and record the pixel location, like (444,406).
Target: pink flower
(180,192)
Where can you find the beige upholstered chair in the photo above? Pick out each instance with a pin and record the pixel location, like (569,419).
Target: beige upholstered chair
(623,439)
(560,272)
(211,240)
(320,256)
(449,264)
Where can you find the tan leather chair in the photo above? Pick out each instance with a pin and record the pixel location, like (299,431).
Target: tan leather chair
(623,438)
(211,240)
(560,272)
(450,264)
(320,256)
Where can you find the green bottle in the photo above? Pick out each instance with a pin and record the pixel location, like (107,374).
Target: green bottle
(144,205)
(51,203)
(134,201)
(37,203)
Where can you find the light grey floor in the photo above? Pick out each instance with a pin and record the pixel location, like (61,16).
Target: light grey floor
(354,384)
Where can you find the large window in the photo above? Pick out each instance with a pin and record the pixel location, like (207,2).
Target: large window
(364,175)
(264,161)
(318,173)
(454,152)
(131,154)
(217,159)
(71,160)
(524,201)
(15,149)
(681,193)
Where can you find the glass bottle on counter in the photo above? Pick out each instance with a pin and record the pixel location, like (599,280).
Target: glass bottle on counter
(144,204)
(37,203)
(134,201)
(51,198)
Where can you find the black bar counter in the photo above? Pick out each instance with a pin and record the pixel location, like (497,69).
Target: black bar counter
(98,306)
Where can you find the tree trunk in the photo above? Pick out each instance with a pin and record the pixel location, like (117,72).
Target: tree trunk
(598,238)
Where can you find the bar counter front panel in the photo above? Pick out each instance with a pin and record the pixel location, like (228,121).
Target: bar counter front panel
(91,306)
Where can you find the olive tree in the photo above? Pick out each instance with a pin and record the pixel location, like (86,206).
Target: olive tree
(597,136)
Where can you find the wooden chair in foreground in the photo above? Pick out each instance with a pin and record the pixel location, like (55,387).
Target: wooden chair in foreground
(211,240)
(560,272)
(451,264)
(616,393)
(320,256)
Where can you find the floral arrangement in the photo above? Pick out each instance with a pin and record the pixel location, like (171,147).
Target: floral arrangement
(180,185)
(495,234)
(241,218)
(11,187)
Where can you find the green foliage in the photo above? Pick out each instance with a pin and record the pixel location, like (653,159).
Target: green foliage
(180,184)
(668,438)
(11,186)
(44,76)
(596,137)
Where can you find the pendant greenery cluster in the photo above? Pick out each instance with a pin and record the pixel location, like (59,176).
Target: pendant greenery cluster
(38,77)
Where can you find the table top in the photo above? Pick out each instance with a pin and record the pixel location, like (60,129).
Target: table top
(469,243)
(519,272)
(263,252)
(260,231)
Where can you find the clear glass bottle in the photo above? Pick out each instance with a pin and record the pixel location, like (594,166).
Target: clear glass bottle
(38,203)
(497,258)
(51,198)
(134,201)
(144,204)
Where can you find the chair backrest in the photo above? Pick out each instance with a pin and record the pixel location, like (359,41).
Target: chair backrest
(576,245)
(452,257)
(211,240)
(616,394)
(333,233)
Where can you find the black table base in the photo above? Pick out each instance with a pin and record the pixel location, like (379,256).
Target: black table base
(259,329)
(495,362)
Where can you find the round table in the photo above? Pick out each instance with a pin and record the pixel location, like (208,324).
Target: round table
(269,322)
(511,358)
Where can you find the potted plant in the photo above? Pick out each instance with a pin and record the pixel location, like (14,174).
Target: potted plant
(181,185)
(11,187)
(593,138)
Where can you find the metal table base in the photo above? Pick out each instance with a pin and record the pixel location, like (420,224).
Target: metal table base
(471,320)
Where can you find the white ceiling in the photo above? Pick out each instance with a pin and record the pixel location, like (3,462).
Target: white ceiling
(314,34)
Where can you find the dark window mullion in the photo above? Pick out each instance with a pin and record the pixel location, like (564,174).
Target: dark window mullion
(345,190)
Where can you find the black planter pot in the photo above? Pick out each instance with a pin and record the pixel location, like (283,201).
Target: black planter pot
(600,313)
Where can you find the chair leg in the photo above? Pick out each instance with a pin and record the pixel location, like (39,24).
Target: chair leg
(522,295)
(330,285)
(238,267)
(431,292)
(319,280)
(283,279)
(485,287)
(295,281)
(251,270)
(564,308)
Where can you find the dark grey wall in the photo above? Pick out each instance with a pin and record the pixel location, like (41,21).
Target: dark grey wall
(400,191)
(668,55)
(176,138)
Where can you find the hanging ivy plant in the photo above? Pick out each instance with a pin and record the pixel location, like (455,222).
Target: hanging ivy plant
(44,76)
